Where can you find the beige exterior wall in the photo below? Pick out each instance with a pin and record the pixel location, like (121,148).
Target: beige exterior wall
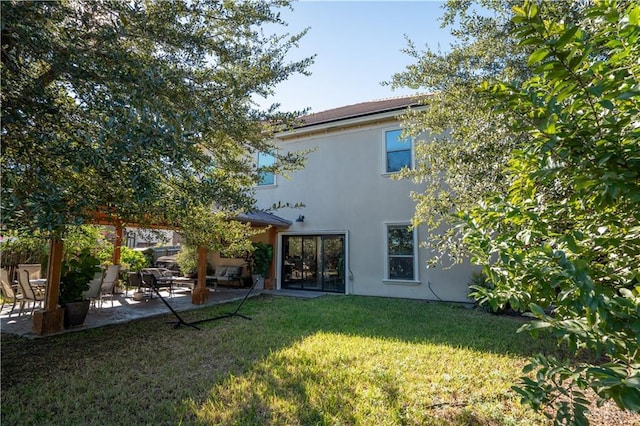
(345,190)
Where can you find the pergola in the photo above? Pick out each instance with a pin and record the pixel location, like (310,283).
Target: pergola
(51,319)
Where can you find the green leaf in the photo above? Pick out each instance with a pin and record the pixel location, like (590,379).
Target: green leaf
(607,104)
(538,55)
(630,399)
(519,11)
(628,95)
(566,37)
(571,243)
(537,310)
(537,325)
(634,15)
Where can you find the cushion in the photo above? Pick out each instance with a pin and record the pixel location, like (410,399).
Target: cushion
(233,271)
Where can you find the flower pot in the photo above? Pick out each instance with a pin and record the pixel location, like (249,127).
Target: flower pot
(75,313)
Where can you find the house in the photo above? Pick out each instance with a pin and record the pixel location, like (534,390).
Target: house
(352,234)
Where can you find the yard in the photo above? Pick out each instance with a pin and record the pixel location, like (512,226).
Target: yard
(330,360)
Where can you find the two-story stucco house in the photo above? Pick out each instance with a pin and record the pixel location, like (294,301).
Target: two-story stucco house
(352,234)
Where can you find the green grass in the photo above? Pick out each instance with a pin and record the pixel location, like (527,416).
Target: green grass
(331,360)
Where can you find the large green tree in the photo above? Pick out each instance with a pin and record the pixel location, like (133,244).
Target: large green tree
(564,242)
(538,174)
(140,109)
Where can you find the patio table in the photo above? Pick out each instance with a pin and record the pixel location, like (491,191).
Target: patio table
(39,285)
(181,281)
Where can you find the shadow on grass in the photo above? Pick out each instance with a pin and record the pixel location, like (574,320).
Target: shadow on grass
(335,359)
(354,360)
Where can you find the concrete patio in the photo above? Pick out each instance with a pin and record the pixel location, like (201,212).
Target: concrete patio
(126,309)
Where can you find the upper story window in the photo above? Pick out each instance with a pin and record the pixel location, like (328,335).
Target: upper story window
(401,252)
(266,160)
(397,150)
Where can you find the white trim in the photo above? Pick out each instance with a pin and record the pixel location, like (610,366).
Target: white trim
(385,242)
(269,186)
(401,282)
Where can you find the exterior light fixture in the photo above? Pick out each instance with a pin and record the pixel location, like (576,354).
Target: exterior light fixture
(300,218)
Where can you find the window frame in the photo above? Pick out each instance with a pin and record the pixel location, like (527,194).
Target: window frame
(385,156)
(260,184)
(414,255)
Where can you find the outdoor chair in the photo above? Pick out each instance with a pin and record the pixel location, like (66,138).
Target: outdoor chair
(95,285)
(8,295)
(134,280)
(152,281)
(28,293)
(228,275)
(35,270)
(163,276)
(109,282)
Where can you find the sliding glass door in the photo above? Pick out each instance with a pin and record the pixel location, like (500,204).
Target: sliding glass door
(313,262)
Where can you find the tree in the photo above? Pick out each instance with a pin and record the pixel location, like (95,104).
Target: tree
(461,144)
(140,110)
(564,241)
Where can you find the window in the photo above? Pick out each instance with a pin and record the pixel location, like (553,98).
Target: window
(400,253)
(398,151)
(266,160)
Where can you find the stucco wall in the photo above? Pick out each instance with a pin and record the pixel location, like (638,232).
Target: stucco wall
(344,189)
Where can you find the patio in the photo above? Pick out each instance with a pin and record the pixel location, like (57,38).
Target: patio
(125,309)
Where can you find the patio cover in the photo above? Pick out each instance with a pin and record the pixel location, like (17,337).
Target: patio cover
(50,320)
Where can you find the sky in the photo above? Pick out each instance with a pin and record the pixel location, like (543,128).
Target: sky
(358,45)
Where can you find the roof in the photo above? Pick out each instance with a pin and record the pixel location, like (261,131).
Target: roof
(260,217)
(360,110)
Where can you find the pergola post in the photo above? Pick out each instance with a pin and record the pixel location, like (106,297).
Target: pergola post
(200,293)
(117,244)
(271,282)
(51,319)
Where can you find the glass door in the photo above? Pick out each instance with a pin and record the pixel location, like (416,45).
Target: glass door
(313,262)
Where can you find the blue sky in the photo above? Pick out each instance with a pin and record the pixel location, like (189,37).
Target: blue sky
(358,45)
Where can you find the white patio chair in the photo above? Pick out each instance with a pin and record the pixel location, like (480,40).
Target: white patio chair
(109,282)
(95,285)
(35,270)
(8,294)
(28,292)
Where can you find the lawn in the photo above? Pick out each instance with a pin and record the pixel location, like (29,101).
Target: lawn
(330,360)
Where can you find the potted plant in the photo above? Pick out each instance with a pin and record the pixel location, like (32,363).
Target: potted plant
(261,261)
(76,273)
(187,260)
